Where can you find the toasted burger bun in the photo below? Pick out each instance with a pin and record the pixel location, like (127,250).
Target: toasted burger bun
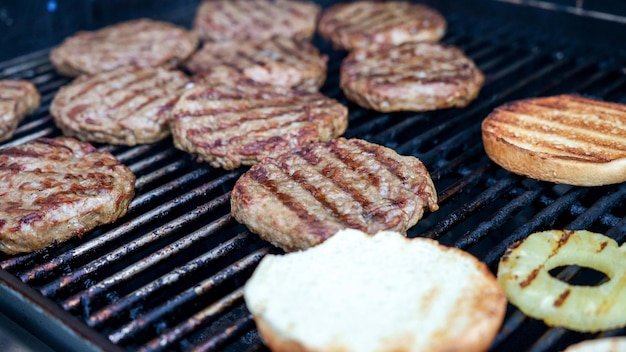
(357,292)
(563,139)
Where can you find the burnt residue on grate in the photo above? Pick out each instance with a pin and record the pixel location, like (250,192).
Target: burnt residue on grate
(169,274)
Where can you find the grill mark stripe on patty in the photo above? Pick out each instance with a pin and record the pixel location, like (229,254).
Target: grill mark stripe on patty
(370,23)
(302,176)
(285,120)
(124,106)
(296,55)
(261,16)
(152,93)
(129,81)
(57,189)
(236,19)
(275,112)
(340,185)
(277,61)
(342,169)
(229,125)
(89,83)
(141,43)
(383,204)
(293,204)
(348,18)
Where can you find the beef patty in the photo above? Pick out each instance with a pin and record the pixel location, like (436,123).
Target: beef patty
(231,125)
(362,24)
(302,197)
(142,43)
(220,20)
(279,61)
(17,99)
(55,189)
(125,106)
(410,77)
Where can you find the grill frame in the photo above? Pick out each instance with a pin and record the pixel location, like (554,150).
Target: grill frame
(475,197)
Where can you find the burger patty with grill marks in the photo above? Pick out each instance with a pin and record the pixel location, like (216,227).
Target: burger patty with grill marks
(232,125)
(17,99)
(55,189)
(125,106)
(221,20)
(302,197)
(410,77)
(141,43)
(362,24)
(279,61)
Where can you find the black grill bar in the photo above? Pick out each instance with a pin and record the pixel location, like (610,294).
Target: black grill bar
(161,211)
(100,317)
(217,341)
(543,218)
(136,326)
(124,251)
(468,209)
(130,272)
(499,218)
(171,336)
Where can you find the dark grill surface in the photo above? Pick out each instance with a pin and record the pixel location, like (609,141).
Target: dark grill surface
(169,275)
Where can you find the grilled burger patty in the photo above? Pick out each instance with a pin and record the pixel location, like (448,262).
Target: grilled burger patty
(233,125)
(302,197)
(125,106)
(279,61)
(362,24)
(54,189)
(142,43)
(17,99)
(220,20)
(410,77)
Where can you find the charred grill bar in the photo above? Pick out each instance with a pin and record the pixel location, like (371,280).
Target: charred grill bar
(168,276)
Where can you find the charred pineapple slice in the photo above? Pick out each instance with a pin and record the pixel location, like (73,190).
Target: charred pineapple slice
(524,274)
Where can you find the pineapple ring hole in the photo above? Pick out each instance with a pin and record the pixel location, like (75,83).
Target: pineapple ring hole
(576,275)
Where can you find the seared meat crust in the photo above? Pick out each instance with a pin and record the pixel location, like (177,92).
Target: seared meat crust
(220,20)
(410,77)
(229,126)
(141,43)
(55,189)
(125,106)
(302,197)
(279,61)
(364,24)
(17,99)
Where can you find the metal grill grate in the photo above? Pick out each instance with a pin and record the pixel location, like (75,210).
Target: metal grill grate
(168,276)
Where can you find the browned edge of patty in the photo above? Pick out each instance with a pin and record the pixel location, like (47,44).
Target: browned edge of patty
(302,197)
(58,188)
(362,24)
(230,126)
(277,61)
(126,106)
(410,77)
(219,20)
(18,98)
(123,44)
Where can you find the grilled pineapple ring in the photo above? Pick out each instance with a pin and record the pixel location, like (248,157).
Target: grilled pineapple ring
(524,274)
